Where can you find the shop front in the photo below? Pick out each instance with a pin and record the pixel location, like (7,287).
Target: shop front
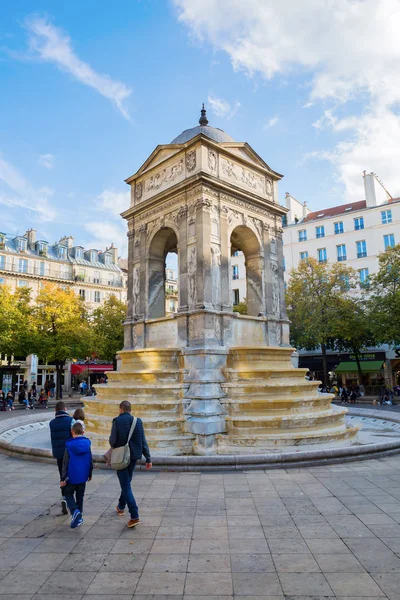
(373,369)
(95,372)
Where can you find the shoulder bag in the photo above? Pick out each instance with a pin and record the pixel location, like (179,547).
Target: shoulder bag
(121,457)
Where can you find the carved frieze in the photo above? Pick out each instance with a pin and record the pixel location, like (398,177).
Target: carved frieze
(247,206)
(139,191)
(237,173)
(154,226)
(203,204)
(167,175)
(191,161)
(142,228)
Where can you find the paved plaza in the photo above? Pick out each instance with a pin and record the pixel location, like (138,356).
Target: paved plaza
(312,533)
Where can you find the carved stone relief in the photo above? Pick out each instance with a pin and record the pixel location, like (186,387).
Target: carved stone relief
(276,308)
(164,176)
(191,160)
(203,204)
(237,173)
(192,277)
(152,226)
(136,290)
(269,187)
(212,161)
(216,274)
(139,190)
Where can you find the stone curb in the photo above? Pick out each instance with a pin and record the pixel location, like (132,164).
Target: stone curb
(226,462)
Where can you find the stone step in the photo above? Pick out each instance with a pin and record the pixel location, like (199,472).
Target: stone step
(283,423)
(275,406)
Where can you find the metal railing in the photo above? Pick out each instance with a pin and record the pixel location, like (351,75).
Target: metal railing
(37,271)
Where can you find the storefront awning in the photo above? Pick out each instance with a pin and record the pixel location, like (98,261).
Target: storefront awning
(76,369)
(368,366)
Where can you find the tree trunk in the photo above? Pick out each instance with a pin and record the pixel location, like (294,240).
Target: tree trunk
(324,365)
(59,370)
(357,355)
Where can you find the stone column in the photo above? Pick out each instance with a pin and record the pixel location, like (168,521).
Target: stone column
(226,300)
(142,305)
(183,260)
(279,251)
(203,253)
(128,342)
(267,270)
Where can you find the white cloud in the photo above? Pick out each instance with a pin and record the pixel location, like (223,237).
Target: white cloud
(114,202)
(16,192)
(48,43)
(222,108)
(347,49)
(271,122)
(47,160)
(102,234)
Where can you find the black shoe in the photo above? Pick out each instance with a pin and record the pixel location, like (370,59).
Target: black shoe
(64,508)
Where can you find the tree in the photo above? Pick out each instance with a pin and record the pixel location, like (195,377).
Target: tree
(63,328)
(314,294)
(354,331)
(108,331)
(384,300)
(240,307)
(17,330)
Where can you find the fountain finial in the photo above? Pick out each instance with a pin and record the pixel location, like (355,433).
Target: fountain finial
(203,119)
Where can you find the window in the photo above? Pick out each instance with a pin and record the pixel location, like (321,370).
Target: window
(338,227)
(78,252)
(303,255)
(359,223)
(2,261)
(361,249)
(96,277)
(107,259)
(2,280)
(22,283)
(322,257)
(236,253)
(341,252)
(97,296)
(22,245)
(22,265)
(236,298)
(62,252)
(42,266)
(363,273)
(93,256)
(388,240)
(82,294)
(320,231)
(346,281)
(235,272)
(386,216)
(302,235)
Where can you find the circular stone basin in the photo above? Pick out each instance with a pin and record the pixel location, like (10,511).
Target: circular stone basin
(379,435)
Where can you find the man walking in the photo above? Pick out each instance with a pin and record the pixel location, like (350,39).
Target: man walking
(138,446)
(60,433)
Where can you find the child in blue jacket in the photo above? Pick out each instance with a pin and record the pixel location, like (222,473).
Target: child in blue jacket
(76,471)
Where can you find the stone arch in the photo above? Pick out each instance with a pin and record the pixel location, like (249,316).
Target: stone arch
(245,240)
(163,241)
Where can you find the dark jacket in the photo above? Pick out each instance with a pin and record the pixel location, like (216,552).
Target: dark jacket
(77,462)
(119,436)
(60,433)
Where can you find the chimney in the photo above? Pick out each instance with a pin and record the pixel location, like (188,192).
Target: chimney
(67,241)
(114,253)
(31,236)
(369,187)
(305,210)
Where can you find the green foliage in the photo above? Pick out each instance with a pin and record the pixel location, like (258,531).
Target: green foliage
(241,308)
(384,299)
(108,328)
(16,322)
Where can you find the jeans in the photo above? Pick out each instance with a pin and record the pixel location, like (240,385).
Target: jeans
(74,488)
(127,497)
(59,465)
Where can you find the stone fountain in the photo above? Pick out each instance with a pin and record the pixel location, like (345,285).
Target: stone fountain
(207,380)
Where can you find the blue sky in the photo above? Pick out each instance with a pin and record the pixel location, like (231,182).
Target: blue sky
(88,89)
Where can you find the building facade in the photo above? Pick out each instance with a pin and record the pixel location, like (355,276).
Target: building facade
(27,262)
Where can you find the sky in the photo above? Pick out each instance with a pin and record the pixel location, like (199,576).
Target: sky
(89,89)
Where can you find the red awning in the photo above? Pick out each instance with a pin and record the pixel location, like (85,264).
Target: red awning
(75,369)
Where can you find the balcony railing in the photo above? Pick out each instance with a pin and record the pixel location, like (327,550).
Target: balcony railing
(37,271)
(99,281)
(361,254)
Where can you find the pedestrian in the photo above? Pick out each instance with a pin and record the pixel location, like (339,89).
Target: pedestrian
(3,401)
(22,399)
(30,400)
(43,398)
(344,395)
(119,437)
(78,417)
(60,433)
(77,467)
(52,387)
(10,401)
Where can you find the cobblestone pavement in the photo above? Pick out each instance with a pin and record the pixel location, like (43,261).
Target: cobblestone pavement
(301,534)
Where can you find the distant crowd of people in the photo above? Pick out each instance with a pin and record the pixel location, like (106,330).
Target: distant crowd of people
(28,396)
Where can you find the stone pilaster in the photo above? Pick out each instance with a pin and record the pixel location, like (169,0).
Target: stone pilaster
(142,304)
(226,298)
(183,259)
(128,341)
(203,253)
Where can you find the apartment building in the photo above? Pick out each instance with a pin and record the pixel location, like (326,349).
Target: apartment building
(26,261)
(171,292)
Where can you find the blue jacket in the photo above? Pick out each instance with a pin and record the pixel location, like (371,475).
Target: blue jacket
(77,463)
(119,436)
(60,433)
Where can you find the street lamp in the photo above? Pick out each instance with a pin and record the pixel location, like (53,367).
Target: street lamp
(88,369)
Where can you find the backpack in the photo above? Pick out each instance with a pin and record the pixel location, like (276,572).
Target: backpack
(121,457)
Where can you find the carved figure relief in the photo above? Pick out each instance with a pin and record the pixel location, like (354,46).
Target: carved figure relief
(276,308)
(252,180)
(268,186)
(191,160)
(139,190)
(167,175)
(215,274)
(136,291)
(192,277)
(228,168)
(212,161)
(156,224)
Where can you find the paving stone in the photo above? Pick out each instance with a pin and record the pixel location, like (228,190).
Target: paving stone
(327,546)
(339,563)
(134,546)
(113,583)
(305,584)
(248,546)
(23,582)
(353,584)
(36,561)
(55,546)
(164,563)
(202,546)
(206,584)
(250,584)
(170,546)
(295,563)
(161,583)
(252,563)
(82,562)
(129,563)
(209,563)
